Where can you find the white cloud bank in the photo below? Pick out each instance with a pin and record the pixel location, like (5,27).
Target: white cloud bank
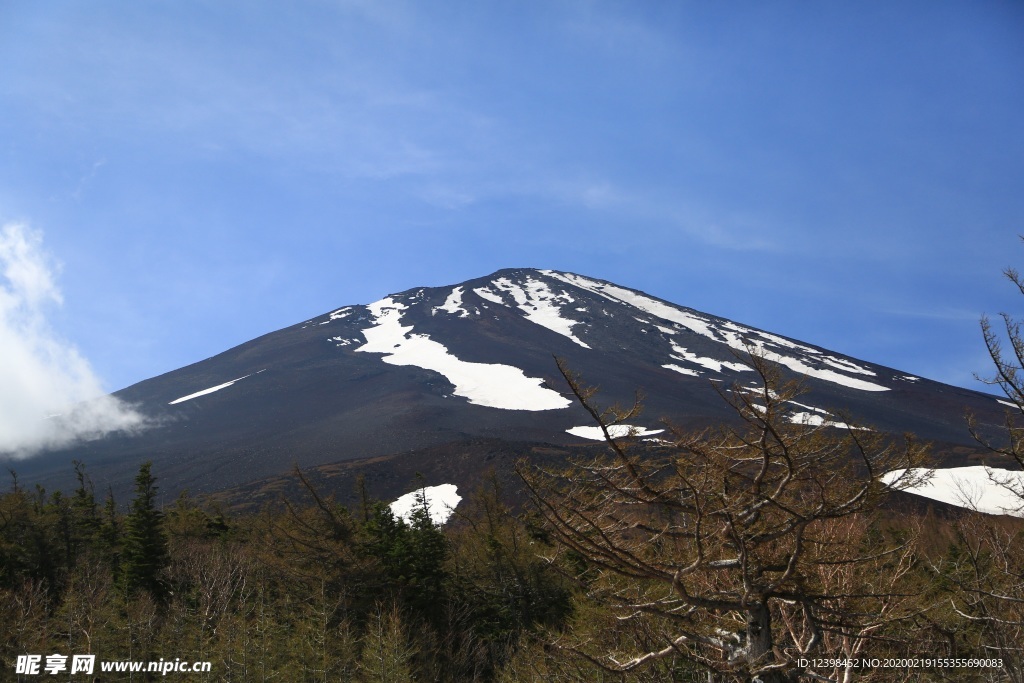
(49,395)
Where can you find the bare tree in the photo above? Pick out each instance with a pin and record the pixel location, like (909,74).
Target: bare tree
(1009,377)
(716,552)
(875,593)
(386,653)
(986,573)
(987,569)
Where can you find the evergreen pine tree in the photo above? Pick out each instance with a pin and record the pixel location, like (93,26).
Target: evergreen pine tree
(144,550)
(84,510)
(109,536)
(428,550)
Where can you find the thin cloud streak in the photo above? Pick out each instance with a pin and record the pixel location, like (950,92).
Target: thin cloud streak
(49,395)
(953,314)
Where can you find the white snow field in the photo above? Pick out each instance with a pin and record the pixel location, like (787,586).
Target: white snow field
(537,301)
(734,336)
(486,384)
(204,392)
(540,305)
(453,304)
(980,488)
(441,503)
(810,417)
(819,420)
(679,353)
(485,293)
(682,370)
(617,432)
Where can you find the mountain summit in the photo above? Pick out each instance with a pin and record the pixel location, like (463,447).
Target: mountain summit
(445,365)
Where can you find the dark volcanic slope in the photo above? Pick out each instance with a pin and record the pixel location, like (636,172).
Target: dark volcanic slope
(431,366)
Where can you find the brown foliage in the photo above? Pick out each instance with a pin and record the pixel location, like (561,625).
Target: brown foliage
(739,549)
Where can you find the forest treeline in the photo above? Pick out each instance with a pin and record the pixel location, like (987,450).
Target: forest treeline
(762,550)
(314,591)
(300,592)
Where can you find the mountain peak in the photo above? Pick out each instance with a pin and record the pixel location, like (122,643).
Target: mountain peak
(434,365)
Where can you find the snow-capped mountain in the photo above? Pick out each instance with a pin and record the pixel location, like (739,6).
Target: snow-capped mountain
(449,365)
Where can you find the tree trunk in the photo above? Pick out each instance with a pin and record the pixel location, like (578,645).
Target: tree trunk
(759,643)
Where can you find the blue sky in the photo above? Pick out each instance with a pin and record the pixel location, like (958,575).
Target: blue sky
(196,174)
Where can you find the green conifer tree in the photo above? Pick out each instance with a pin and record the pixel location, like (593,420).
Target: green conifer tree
(84,500)
(144,550)
(428,550)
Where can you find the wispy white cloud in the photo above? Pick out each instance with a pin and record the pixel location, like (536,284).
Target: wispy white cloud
(205,87)
(671,217)
(936,313)
(446,197)
(49,394)
(603,27)
(87,178)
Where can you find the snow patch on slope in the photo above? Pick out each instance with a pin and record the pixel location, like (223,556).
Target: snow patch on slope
(980,488)
(710,363)
(204,392)
(343,341)
(453,304)
(485,384)
(617,432)
(809,417)
(540,305)
(485,293)
(681,370)
(818,373)
(816,419)
(734,336)
(441,503)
